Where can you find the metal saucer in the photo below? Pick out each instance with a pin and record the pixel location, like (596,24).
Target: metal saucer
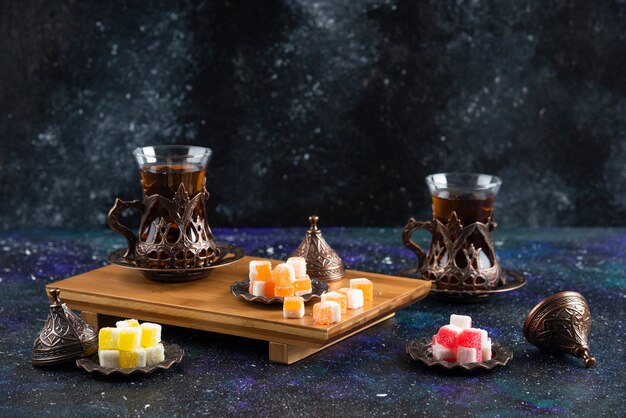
(512,280)
(421,350)
(229,254)
(173,354)
(241,290)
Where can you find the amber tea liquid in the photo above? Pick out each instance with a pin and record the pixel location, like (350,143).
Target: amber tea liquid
(165,180)
(468,208)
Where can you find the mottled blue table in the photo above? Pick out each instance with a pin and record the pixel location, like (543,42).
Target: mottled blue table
(368,374)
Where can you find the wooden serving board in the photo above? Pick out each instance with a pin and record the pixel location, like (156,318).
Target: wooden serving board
(207,304)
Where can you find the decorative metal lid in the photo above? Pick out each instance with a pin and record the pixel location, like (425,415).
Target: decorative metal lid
(322,262)
(64,337)
(561,322)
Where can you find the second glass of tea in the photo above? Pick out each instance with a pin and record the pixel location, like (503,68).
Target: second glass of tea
(461,255)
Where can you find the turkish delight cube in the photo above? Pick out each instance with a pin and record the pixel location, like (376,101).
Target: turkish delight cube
(260,270)
(365,285)
(467,355)
(485,350)
(283,275)
(299,266)
(326,313)
(448,335)
(155,354)
(107,339)
(355,298)
(150,334)
(129,339)
(127,323)
(133,358)
(340,298)
(293,307)
(471,338)
(444,353)
(109,358)
(302,286)
(461,321)
(282,291)
(257,287)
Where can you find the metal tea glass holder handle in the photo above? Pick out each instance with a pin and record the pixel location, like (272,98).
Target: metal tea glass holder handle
(411,226)
(114,214)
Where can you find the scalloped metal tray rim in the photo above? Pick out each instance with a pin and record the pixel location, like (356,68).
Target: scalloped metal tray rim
(237,292)
(420,350)
(173,355)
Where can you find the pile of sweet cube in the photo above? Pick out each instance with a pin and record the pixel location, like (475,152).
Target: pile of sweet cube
(130,344)
(333,304)
(459,342)
(287,279)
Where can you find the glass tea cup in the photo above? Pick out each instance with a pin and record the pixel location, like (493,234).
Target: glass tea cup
(174,231)
(461,254)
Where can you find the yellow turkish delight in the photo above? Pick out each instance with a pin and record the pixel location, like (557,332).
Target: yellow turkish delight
(129,339)
(133,358)
(132,323)
(150,334)
(107,338)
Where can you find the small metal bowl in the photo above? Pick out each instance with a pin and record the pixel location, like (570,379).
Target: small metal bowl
(173,355)
(422,350)
(242,290)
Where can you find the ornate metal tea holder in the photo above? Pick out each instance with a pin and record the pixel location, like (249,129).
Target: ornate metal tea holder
(180,250)
(322,262)
(460,270)
(561,323)
(64,336)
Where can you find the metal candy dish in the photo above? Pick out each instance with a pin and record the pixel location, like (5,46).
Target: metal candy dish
(241,290)
(421,350)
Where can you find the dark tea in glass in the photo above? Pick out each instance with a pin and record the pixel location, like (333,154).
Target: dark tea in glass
(174,232)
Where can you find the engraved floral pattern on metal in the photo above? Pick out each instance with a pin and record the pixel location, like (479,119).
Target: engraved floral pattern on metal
(228,254)
(561,322)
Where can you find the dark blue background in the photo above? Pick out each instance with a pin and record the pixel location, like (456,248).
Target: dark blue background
(334,107)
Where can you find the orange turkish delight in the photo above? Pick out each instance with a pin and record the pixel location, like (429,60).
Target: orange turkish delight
(260,270)
(327,312)
(283,275)
(282,291)
(302,286)
(340,298)
(293,307)
(366,286)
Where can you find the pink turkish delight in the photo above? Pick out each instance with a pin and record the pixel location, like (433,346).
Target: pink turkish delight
(447,336)
(459,342)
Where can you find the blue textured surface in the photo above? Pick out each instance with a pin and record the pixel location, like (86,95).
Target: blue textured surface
(368,374)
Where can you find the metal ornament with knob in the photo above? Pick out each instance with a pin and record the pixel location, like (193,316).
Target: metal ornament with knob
(64,336)
(322,262)
(561,323)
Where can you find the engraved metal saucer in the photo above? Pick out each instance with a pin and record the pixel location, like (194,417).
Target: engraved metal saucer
(421,350)
(173,354)
(242,290)
(512,280)
(229,254)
